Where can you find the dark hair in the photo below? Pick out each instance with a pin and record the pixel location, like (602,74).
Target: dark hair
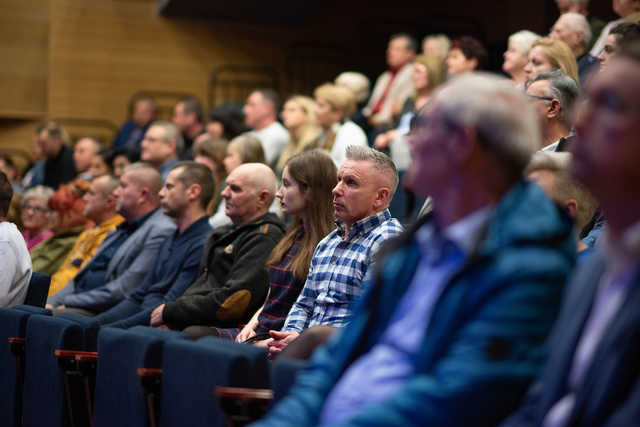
(316,174)
(231,118)
(197,173)
(627,32)
(472,48)
(412,45)
(6,193)
(631,50)
(271,96)
(192,105)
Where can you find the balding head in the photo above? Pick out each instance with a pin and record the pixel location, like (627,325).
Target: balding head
(137,193)
(249,192)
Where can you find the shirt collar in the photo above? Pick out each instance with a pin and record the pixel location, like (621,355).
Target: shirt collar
(364,225)
(131,227)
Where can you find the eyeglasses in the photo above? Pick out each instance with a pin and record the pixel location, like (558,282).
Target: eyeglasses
(35,208)
(542,98)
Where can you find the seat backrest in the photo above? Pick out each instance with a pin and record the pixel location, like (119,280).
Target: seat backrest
(283,375)
(38,289)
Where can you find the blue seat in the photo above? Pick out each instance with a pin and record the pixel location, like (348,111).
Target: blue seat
(119,396)
(283,376)
(191,370)
(13,324)
(38,289)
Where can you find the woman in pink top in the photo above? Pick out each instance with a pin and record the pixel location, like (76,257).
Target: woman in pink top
(36,215)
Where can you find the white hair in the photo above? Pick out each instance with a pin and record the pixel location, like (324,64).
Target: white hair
(522,40)
(358,83)
(443,42)
(504,119)
(577,22)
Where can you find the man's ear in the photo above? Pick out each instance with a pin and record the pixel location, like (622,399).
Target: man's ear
(474,62)
(382,198)
(571,207)
(263,197)
(194,191)
(554,109)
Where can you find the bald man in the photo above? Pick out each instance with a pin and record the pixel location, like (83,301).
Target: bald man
(125,256)
(233,281)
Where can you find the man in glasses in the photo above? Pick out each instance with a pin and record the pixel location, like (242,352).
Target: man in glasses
(553,94)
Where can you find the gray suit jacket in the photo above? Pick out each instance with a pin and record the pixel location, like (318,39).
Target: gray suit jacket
(128,267)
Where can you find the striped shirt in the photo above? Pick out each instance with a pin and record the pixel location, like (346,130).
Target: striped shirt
(337,270)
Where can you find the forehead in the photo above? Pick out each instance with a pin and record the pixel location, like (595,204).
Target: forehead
(156,131)
(355,168)
(398,43)
(255,98)
(538,87)
(174,174)
(612,39)
(538,52)
(238,177)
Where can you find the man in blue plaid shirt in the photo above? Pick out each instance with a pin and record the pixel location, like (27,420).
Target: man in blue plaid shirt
(367,181)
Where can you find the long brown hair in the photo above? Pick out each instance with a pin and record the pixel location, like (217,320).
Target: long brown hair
(316,174)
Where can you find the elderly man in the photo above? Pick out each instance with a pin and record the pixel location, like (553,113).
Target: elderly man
(188,118)
(553,94)
(233,282)
(582,7)
(260,114)
(573,29)
(15,267)
(99,207)
(184,197)
(125,257)
(83,153)
(395,85)
(161,146)
(367,181)
(453,326)
(591,374)
(52,142)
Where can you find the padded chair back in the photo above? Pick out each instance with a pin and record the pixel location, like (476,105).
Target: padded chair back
(38,289)
(283,376)
(119,396)
(13,323)
(44,394)
(89,326)
(191,370)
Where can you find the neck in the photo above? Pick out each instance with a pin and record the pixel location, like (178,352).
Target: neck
(142,211)
(422,97)
(579,51)
(553,132)
(518,76)
(194,130)
(264,123)
(191,215)
(243,221)
(104,216)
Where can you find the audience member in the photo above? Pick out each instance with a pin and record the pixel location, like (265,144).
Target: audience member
(591,374)
(393,86)
(573,29)
(260,114)
(211,153)
(334,105)
(553,94)
(83,152)
(625,9)
(66,205)
(305,194)
(619,35)
(15,268)
(366,183)
(100,163)
(547,54)
(551,172)
(299,117)
(161,146)
(436,45)
(189,119)
(132,131)
(100,208)
(466,54)
(225,122)
(121,158)
(8,167)
(184,197)
(125,256)
(36,216)
(360,85)
(232,282)
(34,173)
(453,325)
(516,55)
(59,167)
(582,7)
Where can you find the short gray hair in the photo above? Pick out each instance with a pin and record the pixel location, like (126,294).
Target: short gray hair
(38,192)
(578,22)
(443,42)
(381,162)
(504,119)
(171,132)
(561,87)
(522,40)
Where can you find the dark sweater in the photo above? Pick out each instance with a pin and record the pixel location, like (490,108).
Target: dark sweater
(232,282)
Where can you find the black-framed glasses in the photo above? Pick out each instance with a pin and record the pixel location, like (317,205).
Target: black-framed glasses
(542,98)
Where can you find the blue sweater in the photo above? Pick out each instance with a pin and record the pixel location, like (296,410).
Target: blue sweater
(485,340)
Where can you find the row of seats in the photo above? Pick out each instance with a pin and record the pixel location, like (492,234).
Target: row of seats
(66,371)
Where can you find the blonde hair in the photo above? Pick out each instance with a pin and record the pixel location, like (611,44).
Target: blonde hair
(559,55)
(339,97)
(306,135)
(435,69)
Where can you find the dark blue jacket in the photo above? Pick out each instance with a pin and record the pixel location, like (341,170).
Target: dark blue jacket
(485,339)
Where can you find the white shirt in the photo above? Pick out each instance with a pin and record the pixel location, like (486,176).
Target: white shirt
(15,266)
(347,134)
(274,139)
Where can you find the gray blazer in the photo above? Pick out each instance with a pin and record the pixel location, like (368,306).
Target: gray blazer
(128,267)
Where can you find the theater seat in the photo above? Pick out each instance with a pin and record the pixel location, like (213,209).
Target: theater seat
(38,289)
(283,376)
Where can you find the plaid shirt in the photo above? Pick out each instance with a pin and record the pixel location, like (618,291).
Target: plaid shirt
(337,269)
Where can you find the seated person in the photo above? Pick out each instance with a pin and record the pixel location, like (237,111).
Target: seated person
(232,282)
(99,207)
(452,327)
(305,194)
(551,172)
(125,256)
(466,54)
(184,197)
(36,215)
(366,182)
(66,205)
(15,268)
